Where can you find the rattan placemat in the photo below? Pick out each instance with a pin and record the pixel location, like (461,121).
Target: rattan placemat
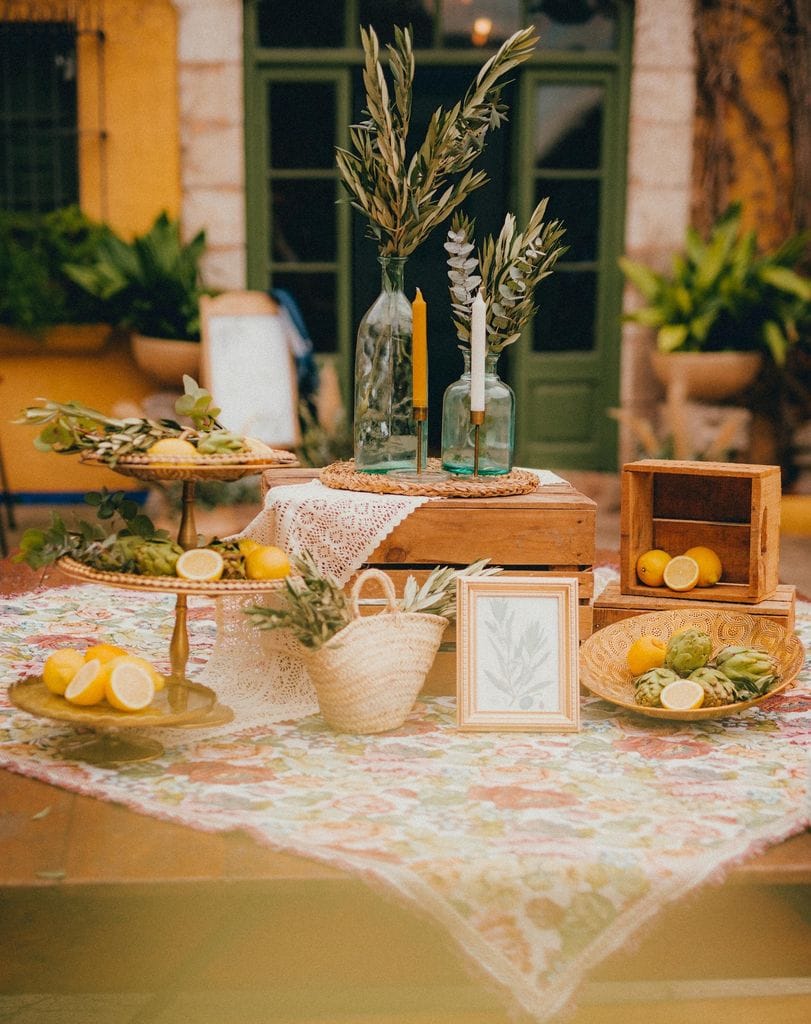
(231,466)
(343,476)
(165,584)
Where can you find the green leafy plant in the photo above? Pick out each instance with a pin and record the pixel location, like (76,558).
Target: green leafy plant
(507,269)
(722,295)
(405,197)
(151,285)
(35,290)
(316,607)
(70,427)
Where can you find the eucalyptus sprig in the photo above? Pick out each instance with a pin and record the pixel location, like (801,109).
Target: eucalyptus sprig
(507,269)
(405,197)
(316,608)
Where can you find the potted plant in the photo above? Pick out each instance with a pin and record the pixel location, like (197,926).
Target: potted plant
(722,297)
(40,304)
(152,286)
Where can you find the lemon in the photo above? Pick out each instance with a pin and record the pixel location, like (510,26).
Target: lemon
(645,653)
(709,565)
(129,686)
(267,563)
(173,447)
(60,667)
(103,653)
(248,544)
(158,681)
(201,564)
(87,686)
(681,573)
(682,695)
(650,567)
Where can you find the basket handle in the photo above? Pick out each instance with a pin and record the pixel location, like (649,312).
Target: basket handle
(385,583)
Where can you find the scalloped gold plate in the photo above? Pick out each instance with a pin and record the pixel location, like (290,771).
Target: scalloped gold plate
(603,670)
(204,467)
(166,584)
(176,704)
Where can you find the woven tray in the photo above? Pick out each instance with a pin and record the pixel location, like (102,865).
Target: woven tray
(166,584)
(342,476)
(604,672)
(204,467)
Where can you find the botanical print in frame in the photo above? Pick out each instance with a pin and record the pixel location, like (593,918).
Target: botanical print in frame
(516,654)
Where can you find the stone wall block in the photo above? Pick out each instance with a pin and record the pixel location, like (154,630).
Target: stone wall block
(210,30)
(211,93)
(212,157)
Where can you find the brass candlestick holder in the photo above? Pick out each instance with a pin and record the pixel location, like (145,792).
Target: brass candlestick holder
(422,474)
(476,418)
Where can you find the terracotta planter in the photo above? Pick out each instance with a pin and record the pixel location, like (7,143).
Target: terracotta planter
(66,338)
(166,360)
(707,375)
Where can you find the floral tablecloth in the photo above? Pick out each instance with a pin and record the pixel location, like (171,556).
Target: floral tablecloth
(540,854)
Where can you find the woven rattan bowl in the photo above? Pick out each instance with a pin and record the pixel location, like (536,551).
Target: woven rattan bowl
(603,670)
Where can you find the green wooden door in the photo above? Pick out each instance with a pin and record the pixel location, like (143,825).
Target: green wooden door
(566,370)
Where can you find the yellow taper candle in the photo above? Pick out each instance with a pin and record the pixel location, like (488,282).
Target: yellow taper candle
(419,352)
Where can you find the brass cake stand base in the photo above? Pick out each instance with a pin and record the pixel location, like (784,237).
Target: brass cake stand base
(108,749)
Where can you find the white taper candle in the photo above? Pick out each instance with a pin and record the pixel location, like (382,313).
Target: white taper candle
(478,347)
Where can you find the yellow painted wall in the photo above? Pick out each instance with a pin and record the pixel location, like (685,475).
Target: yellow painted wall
(127,87)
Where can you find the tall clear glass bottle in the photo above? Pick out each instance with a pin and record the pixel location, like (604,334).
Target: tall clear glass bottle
(496,434)
(385,433)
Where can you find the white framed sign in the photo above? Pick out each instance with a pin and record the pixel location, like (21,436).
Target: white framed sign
(516,654)
(248,366)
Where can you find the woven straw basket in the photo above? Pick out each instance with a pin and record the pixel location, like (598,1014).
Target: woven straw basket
(368,675)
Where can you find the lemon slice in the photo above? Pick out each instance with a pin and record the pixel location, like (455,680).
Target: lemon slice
(87,686)
(681,573)
(129,686)
(157,679)
(173,447)
(60,667)
(200,564)
(682,695)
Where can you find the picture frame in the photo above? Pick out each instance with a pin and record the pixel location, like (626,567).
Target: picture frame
(517,654)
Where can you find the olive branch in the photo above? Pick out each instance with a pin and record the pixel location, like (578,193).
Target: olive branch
(507,269)
(404,198)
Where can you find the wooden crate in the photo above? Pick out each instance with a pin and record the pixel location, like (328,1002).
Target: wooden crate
(733,509)
(612,606)
(550,532)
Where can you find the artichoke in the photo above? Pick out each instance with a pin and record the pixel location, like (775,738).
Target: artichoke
(751,671)
(718,688)
(139,555)
(688,650)
(650,684)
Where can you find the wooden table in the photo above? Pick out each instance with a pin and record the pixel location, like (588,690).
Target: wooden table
(95,898)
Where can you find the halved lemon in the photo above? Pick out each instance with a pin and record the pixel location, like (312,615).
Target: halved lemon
(60,667)
(129,686)
(709,565)
(172,447)
(158,680)
(87,686)
(682,695)
(681,573)
(104,652)
(201,564)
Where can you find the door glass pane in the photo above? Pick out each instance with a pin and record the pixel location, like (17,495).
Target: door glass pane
(575,24)
(383,15)
(473,23)
(315,296)
(568,126)
(566,312)
(577,204)
(302,125)
(305,23)
(303,221)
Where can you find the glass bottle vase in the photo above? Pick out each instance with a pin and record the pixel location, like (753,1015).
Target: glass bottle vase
(385,433)
(496,434)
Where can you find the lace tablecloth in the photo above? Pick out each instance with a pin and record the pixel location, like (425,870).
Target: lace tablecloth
(540,854)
